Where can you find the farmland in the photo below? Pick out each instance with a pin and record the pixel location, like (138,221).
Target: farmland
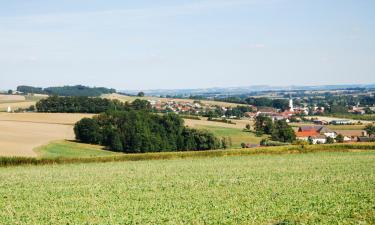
(125,98)
(20,133)
(18,101)
(318,188)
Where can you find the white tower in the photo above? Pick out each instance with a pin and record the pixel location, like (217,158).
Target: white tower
(9,110)
(291,108)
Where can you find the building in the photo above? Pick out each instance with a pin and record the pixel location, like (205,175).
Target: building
(323,130)
(341,122)
(9,110)
(311,135)
(291,108)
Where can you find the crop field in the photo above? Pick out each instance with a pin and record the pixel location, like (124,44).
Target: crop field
(20,133)
(314,188)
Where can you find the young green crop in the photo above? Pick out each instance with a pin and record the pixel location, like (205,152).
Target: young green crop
(316,188)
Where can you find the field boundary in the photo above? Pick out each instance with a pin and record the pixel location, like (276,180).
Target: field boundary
(291,149)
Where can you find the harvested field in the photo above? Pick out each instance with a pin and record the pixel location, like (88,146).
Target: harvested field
(12,98)
(20,138)
(16,105)
(49,118)
(20,133)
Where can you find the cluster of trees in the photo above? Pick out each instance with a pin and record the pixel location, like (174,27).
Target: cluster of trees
(77,90)
(279,130)
(138,131)
(55,104)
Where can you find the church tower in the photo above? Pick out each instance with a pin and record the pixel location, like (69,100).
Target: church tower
(291,108)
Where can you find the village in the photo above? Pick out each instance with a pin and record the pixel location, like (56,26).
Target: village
(312,129)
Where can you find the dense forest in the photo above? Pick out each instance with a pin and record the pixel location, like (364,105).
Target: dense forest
(77,90)
(138,131)
(55,104)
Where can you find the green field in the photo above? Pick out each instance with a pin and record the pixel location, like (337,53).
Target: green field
(238,136)
(69,149)
(314,188)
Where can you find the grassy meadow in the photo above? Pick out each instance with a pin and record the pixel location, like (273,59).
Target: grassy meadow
(70,149)
(237,136)
(314,188)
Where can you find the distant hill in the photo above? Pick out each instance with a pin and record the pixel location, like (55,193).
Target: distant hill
(77,90)
(245,89)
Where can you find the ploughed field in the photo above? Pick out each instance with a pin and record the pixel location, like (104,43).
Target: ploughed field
(20,133)
(313,188)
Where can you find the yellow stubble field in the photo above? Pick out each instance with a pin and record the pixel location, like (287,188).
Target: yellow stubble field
(20,133)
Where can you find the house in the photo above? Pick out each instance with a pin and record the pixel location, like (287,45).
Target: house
(320,139)
(311,135)
(323,130)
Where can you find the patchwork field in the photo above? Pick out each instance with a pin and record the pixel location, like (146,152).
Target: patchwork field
(20,133)
(318,188)
(125,98)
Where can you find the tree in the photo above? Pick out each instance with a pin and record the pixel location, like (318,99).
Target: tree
(226,142)
(243,145)
(141,94)
(263,124)
(87,131)
(340,138)
(283,132)
(330,140)
(370,129)
(248,127)
(139,104)
(10,92)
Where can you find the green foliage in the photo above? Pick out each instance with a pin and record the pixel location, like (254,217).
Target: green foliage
(137,131)
(340,138)
(87,131)
(282,132)
(77,90)
(264,124)
(55,104)
(330,140)
(266,142)
(226,142)
(141,94)
(370,129)
(228,190)
(141,105)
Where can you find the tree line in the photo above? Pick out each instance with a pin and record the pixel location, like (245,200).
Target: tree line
(78,90)
(139,131)
(56,104)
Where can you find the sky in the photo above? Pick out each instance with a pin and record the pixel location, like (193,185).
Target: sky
(178,44)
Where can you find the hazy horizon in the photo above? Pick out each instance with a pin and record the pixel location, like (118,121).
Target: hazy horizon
(184,44)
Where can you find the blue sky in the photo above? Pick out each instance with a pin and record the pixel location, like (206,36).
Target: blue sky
(186,44)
